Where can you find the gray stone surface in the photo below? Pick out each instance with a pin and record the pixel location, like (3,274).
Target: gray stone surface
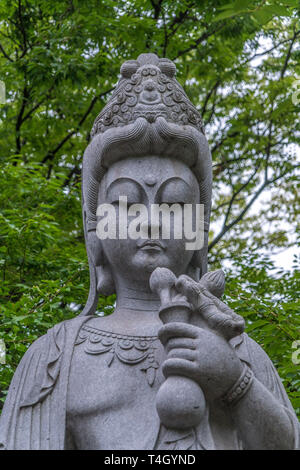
(171,368)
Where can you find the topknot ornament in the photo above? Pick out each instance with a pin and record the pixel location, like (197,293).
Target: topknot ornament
(148,89)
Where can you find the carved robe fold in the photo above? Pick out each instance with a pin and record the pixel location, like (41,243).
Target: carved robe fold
(34,414)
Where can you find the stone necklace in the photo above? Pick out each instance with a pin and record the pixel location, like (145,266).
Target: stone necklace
(127,349)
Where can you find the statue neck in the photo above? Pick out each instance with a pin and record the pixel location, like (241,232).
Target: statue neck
(135,301)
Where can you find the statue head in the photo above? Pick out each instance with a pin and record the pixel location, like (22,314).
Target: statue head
(148,144)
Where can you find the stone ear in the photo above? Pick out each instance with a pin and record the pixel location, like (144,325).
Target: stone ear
(104,280)
(94,247)
(199,261)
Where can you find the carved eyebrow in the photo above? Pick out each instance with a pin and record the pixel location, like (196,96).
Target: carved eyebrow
(171,180)
(123,180)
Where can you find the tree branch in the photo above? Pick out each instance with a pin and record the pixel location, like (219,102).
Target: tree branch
(20,118)
(75,171)
(22,29)
(202,38)
(32,110)
(213,109)
(266,183)
(51,154)
(268,148)
(243,186)
(178,20)
(223,204)
(207,98)
(288,56)
(157,7)
(5,54)
(259,54)
(221,142)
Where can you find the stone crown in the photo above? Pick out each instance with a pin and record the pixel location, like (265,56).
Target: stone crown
(148,89)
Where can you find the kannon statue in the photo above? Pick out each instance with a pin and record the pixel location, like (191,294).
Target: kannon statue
(171,368)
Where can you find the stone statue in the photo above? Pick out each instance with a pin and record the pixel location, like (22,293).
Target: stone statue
(171,368)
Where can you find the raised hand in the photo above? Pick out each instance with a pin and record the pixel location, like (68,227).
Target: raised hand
(201,355)
(203,295)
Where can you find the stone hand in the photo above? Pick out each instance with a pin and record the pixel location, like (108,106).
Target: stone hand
(204,296)
(201,355)
(172,410)
(162,281)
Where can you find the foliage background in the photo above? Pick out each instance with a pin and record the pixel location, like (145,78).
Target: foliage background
(238,62)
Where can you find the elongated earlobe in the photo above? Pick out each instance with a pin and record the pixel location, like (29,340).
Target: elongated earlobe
(104,279)
(199,262)
(105,282)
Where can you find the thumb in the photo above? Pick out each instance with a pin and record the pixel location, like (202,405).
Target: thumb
(189,288)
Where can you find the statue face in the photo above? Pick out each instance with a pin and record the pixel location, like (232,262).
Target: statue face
(147,180)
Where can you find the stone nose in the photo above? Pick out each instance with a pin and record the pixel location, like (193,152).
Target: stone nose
(149,86)
(150,227)
(150,94)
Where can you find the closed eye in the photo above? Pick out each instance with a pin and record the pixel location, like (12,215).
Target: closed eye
(174,202)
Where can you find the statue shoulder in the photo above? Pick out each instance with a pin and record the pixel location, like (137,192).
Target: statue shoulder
(39,344)
(59,331)
(43,359)
(33,383)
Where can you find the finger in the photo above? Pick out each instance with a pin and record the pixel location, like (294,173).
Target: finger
(175,366)
(188,287)
(177,330)
(227,310)
(186,343)
(221,318)
(179,353)
(194,292)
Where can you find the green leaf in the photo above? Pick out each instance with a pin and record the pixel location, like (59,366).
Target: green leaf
(290,3)
(242,5)
(225,14)
(256,324)
(263,16)
(276,9)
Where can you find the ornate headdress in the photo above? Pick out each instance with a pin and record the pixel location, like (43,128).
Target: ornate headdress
(148,114)
(147,89)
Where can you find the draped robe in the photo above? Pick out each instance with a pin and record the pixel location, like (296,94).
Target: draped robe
(34,414)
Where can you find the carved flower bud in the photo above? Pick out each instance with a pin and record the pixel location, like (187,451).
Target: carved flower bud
(147,58)
(167,67)
(214,282)
(161,282)
(129,68)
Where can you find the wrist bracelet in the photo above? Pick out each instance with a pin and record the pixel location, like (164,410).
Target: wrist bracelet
(240,387)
